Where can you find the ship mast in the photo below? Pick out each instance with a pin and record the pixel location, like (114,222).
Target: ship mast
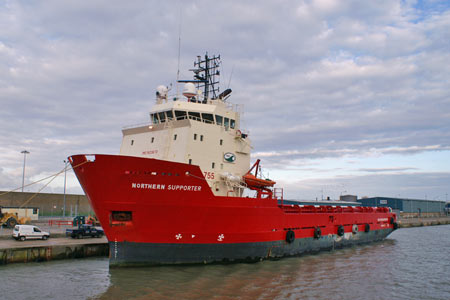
(206,76)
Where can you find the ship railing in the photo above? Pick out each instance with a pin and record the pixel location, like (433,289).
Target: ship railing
(278,194)
(137,125)
(235,107)
(298,208)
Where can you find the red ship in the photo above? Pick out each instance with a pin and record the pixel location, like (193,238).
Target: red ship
(179,192)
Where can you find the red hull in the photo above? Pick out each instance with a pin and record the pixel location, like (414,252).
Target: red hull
(149,201)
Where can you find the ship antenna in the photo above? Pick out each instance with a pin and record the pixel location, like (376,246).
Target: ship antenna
(231,75)
(179,51)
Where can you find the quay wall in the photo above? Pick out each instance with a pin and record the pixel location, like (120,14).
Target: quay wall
(418,222)
(54,252)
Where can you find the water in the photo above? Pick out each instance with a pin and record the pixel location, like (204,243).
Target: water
(412,263)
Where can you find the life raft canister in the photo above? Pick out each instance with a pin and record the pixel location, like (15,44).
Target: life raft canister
(340,230)
(290,236)
(317,233)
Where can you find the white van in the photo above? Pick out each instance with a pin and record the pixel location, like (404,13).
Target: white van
(25,232)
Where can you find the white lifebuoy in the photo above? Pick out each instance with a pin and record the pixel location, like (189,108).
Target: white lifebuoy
(355,229)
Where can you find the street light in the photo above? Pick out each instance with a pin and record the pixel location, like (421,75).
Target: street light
(64,206)
(25,152)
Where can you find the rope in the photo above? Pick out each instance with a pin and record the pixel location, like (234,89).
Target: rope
(53,175)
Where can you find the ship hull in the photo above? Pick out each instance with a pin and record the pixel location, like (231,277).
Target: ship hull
(125,254)
(158,212)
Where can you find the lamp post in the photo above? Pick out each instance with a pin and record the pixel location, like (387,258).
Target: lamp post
(64,205)
(25,152)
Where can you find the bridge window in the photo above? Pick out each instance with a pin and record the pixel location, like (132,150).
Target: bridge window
(221,142)
(195,136)
(194,116)
(174,137)
(219,120)
(154,118)
(169,114)
(162,117)
(208,118)
(227,123)
(213,165)
(201,138)
(153,139)
(132,142)
(180,114)
(232,123)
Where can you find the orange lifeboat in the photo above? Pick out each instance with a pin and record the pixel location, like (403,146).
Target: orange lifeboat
(253,182)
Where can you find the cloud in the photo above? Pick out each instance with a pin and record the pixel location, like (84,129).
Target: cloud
(319,79)
(384,170)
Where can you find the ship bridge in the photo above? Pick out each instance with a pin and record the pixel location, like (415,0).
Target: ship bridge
(195,130)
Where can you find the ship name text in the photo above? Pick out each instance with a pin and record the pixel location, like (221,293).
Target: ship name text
(170,187)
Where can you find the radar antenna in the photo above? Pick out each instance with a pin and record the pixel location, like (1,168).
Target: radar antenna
(206,76)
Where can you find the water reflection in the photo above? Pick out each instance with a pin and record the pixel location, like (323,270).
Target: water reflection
(311,276)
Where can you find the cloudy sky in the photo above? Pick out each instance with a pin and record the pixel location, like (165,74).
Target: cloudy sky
(340,97)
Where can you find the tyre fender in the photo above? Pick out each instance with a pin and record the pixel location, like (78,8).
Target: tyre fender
(290,237)
(340,231)
(317,233)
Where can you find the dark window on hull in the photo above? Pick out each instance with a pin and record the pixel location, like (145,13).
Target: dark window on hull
(121,216)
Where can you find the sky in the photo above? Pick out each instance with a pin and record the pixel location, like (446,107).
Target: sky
(340,97)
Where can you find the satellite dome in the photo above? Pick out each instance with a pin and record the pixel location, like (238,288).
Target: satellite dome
(189,90)
(161,91)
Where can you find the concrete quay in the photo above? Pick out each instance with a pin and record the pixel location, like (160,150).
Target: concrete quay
(422,221)
(58,246)
(12,251)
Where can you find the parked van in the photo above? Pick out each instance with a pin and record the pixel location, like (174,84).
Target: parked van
(25,232)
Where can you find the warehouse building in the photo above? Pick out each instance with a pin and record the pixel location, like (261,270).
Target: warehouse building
(407,207)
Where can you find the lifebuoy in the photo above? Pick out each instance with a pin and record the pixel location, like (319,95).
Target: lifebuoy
(290,236)
(367,228)
(340,230)
(355,228)
(238,133)
(317,233)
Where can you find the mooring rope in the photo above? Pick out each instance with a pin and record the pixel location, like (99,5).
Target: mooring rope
(37,181)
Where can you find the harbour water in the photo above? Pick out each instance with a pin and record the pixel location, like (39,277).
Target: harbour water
(413,263)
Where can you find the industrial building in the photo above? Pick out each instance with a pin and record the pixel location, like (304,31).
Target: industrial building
(407,207)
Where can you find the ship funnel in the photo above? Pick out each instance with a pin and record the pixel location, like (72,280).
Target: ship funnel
(189,90)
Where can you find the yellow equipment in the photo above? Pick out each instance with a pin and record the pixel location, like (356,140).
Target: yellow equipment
(10,220)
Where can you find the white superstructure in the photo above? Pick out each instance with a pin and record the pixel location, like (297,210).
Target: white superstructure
(199,130)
